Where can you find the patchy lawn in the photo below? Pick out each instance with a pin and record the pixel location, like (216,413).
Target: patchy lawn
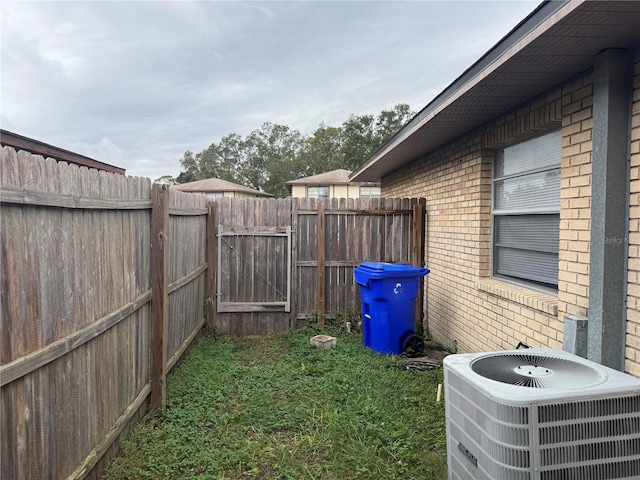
(278,408)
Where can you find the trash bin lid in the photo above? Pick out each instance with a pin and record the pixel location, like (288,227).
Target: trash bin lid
(378,270)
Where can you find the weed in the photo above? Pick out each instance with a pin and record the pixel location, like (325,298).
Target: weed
(276,407)
(348,322)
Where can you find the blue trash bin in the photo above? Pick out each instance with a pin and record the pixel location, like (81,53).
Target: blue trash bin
(388,292)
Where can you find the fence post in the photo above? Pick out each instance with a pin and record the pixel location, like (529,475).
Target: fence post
(294,264)
(212,254)
(417,254)
(159,293)
(320,299)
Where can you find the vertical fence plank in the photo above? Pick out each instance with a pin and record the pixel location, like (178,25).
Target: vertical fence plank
(212,259)
(320,289)
(159,293)
(417,255)
(293,296)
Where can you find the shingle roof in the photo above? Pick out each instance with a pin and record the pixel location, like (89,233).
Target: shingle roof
(20,142)
(334,177)
(218,185)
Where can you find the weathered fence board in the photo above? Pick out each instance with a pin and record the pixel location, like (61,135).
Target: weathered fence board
(330,237)
(76,313)
(187,266)
(159,293)
(79,362)
(252,267)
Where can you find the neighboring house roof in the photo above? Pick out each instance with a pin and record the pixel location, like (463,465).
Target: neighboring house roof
(334,177)
(218,185)
(20,142)
(556,42)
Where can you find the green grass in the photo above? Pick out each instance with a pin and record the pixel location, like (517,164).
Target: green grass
(278,408)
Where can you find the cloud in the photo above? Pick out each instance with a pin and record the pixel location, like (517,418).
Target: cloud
(141,82)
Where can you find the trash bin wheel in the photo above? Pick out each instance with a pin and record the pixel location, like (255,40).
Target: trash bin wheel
(414,346)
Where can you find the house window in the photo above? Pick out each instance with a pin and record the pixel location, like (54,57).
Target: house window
(214,194)
(318,192)
(526,211)
(369,192)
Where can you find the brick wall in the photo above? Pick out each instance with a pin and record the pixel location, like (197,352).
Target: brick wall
(466,309)
(458,242)
(632,357)
(575,198)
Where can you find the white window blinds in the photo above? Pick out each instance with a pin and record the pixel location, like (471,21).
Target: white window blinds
(526,210)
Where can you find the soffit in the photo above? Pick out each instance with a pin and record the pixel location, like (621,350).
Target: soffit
(531,67)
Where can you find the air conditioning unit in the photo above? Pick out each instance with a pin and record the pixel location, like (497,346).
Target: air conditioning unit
(540,414)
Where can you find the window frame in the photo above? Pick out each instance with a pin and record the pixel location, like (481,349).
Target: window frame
(369,196)
(529,284)
(317,187)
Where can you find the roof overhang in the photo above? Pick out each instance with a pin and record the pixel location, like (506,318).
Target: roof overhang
(36,147)
(556,42)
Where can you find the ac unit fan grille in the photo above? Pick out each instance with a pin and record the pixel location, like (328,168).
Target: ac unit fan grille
(536,371)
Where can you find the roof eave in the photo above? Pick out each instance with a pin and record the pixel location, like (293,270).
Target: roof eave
(36,147)
(534,25)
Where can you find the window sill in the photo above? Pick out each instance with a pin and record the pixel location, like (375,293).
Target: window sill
(543,302)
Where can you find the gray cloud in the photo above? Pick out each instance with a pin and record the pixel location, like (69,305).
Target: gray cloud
(136,84)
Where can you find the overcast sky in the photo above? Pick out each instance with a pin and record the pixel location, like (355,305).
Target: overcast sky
(136,84)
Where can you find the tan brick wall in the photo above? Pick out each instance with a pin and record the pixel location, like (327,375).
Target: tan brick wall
(632,352)
(575,198)
(466,309)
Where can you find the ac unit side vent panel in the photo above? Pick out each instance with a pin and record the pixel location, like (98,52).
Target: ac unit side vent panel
(590,452)
(576,432)
(476,423)
(508,456)
(599,408)
(603,471)
(458,471)
(495,460)
(468,395)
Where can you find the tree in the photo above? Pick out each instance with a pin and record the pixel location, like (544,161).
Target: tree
(190,166)
(273,154)
(166,179)
(390,121)
(364,135)
(358,140)
(272,157)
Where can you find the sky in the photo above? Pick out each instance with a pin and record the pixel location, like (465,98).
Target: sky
(136,84)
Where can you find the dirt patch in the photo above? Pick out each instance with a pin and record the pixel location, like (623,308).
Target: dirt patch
(432,352)
(430,359)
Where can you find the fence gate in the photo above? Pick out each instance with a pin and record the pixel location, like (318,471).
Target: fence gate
(254,269)
(283,262)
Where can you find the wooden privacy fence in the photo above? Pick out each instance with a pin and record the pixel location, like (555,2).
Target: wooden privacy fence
(103,287)
(282,261)
(106,280)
